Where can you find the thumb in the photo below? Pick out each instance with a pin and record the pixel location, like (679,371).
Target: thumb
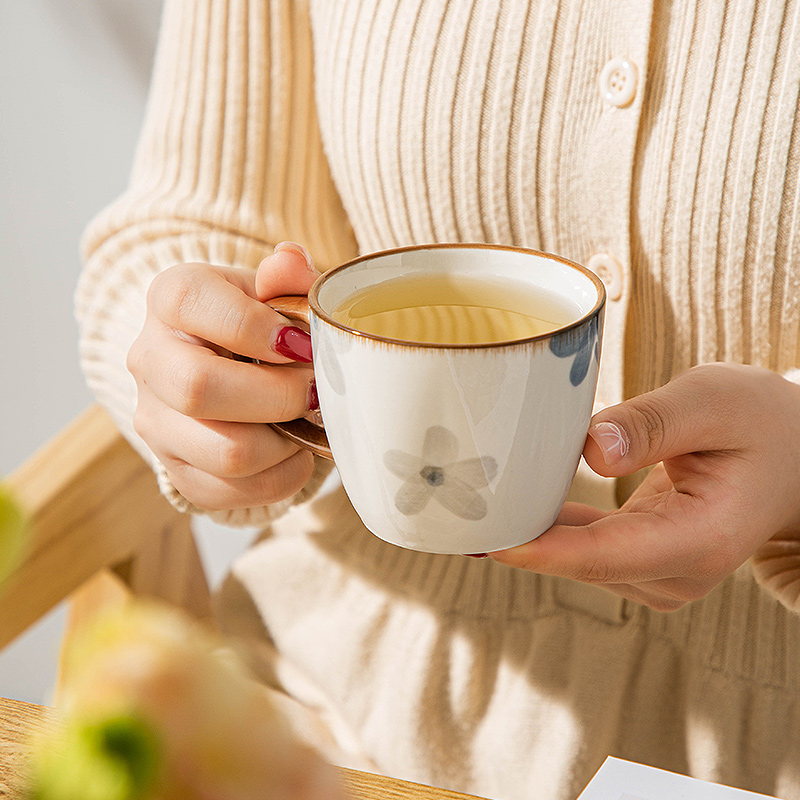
(288,271)
(691,413)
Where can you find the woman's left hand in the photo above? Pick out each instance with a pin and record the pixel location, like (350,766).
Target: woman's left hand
(725,440)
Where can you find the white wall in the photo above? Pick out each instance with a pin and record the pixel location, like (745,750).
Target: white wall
(73,83)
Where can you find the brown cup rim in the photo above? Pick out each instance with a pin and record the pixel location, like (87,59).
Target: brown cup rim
(313,296)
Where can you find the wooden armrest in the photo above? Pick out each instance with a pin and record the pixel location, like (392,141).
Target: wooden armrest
(93,503)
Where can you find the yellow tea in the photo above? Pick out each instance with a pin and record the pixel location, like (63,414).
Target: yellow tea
(453,310)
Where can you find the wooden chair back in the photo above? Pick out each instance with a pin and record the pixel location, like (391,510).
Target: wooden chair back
(100,532)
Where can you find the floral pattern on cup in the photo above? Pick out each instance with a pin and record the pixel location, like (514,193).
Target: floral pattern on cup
(328,361)
(437,474)
(581,343)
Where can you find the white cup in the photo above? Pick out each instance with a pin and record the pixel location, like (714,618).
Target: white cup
(453,448)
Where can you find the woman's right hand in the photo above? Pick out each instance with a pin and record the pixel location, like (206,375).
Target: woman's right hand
(200,408)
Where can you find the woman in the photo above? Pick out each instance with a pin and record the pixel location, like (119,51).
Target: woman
(659,144)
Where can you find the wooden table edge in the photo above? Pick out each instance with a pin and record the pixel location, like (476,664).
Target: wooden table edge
(19,720)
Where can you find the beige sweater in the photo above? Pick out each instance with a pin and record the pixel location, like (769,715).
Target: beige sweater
(657,142)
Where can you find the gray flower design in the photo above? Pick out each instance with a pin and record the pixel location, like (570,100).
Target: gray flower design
(436,474)
(329,359)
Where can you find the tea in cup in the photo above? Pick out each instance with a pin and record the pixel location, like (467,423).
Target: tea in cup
(456,385)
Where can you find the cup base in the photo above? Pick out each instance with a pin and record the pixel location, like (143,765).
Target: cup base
(493,547)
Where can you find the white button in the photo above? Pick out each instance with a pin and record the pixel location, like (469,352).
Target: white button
(609,270)
(618,82)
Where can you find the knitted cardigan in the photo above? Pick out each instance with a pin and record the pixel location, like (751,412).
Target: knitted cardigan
(657,142)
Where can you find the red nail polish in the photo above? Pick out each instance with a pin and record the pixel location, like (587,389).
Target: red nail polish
(477,555)
(293,343)
(313,397)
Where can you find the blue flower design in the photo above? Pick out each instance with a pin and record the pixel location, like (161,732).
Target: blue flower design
(580,342)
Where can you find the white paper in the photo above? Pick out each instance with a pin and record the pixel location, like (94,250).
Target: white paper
(624,780)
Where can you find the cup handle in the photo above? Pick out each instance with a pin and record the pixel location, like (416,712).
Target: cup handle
(300,431)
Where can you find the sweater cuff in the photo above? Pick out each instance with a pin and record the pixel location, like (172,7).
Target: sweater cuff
(245,517)
(776,564)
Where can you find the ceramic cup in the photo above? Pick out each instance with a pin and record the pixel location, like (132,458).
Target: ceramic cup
(453,448)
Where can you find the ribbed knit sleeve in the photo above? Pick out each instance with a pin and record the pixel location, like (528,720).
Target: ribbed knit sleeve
(776,565)
(229,163)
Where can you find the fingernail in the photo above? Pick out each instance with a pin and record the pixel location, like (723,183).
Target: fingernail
(313,397)
(293,343)
(476,555)
(612,441)
(295,248)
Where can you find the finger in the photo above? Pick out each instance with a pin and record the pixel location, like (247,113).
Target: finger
(288,271)
(578,514)
(222,449)
(704,409)
(198,383)
(213,493)
(656,482)
(208,303)
(660,541)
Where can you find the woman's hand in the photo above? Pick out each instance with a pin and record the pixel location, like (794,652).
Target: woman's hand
(200,408)
(725,440)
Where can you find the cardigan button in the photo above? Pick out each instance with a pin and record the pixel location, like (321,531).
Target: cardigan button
(609,270)
(618,81)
